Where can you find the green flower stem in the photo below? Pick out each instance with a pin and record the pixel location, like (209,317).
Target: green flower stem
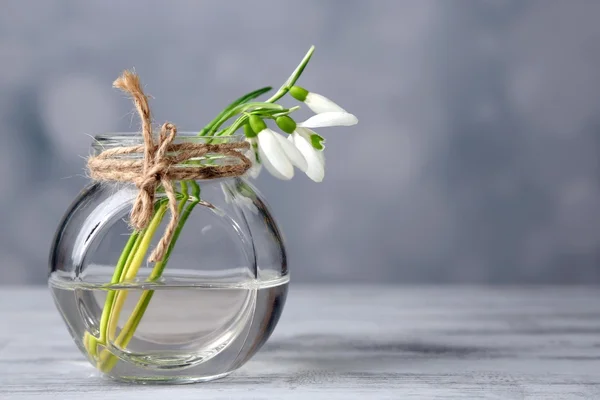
(129,328)
(137,257)
(131,255)
(91,341)
(125,260)
(134,261)
(108,360)
(284,112)
(134,241)
(183,216)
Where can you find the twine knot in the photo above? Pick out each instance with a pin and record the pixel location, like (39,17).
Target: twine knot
(163,161)
(155,170)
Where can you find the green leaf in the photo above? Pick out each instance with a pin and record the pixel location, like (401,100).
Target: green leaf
(294,77)
(244,99)
(255,106)
(273,113)
(300,68)
(250,96)
(241,108)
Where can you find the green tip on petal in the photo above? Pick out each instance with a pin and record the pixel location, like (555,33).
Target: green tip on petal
(317,141)
(248,131)
(286,124)
(298,93)
(257,124)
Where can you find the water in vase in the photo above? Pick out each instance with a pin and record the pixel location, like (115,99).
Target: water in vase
(192,326)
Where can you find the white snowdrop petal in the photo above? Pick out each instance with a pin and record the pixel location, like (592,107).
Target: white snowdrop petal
(302,133)
(329,119)
(285,175)
(293,154)
(321,104)
(273,157)
(316,169)
(321,156)
(306,133)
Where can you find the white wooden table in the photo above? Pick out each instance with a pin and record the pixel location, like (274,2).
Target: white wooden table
(351,342)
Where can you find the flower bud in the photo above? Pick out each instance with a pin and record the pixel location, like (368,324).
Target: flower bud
(248,131)
(299,93)
(257,124)
(286,124)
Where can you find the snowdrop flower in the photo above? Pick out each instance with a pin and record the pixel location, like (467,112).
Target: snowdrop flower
(311,147)
(328,113)
(277,154)
(304,147)
(308,143)
(317,103)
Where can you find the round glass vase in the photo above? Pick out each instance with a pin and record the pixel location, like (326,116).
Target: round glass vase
(198,314)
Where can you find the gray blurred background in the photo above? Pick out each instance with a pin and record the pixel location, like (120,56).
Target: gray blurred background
(476,158)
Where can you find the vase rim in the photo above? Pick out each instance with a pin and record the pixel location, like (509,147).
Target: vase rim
(108,141)
(181,136)
(118,139)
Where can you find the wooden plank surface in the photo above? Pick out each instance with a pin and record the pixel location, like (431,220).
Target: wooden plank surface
(351,342)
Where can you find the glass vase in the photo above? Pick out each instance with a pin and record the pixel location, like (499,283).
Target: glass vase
(198,314)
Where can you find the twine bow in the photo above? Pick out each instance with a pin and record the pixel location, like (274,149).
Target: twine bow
(163,162)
